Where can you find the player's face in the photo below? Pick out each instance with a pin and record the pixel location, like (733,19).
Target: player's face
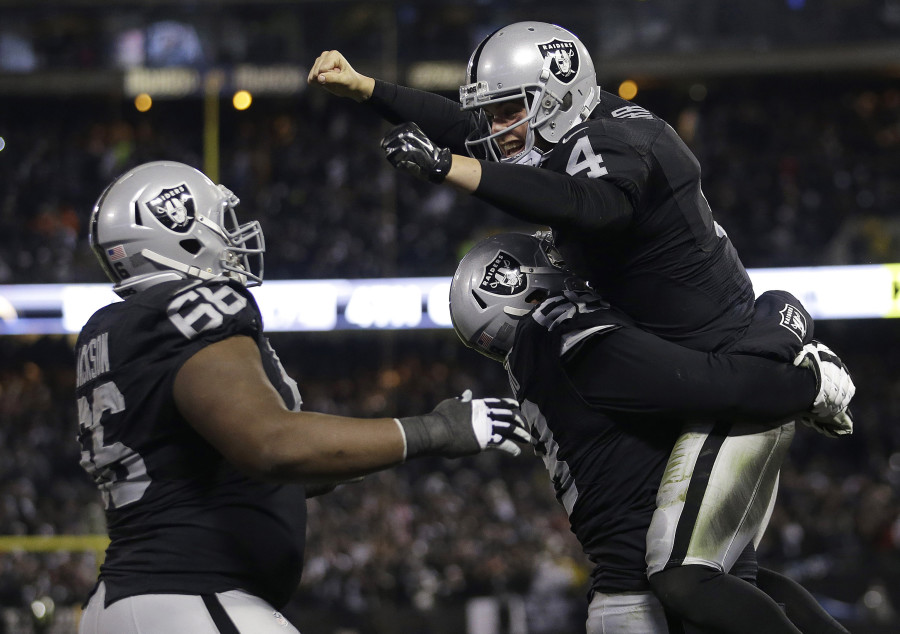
(503,115)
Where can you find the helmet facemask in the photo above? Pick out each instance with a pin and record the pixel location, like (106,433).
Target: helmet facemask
(243,255)
(541,106)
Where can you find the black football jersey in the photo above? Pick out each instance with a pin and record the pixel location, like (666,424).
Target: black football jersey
(605,472)
(181,519)
(662,259)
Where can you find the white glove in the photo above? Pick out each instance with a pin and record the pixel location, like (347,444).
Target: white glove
(828,414)
(833,426)
(497,423)
(464,426)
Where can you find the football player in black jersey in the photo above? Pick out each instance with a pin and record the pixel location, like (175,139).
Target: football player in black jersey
(192,430)
(608,403)
(534,135)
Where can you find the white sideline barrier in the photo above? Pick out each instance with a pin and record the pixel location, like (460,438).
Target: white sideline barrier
(828,292)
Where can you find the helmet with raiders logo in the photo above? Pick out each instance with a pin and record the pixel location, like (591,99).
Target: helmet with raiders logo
(498,282)
(543,64)
(165,221)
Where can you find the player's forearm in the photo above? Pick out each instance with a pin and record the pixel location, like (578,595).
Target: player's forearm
(440,118)
(545,197)
(310,447)
(755,389)
(635,372)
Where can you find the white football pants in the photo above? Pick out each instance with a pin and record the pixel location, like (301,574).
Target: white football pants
(183,614)
(716,495)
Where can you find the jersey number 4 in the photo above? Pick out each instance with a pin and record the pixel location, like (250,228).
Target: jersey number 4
(584,158)
(118,471)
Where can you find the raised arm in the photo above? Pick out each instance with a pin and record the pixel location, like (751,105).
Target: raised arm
(441,118)
(525,192)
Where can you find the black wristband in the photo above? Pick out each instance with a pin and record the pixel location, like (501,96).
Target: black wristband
(442,166)
(418,440)
(447,431)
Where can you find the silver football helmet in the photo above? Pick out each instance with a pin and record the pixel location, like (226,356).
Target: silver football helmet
(165,221)
(498,282)
(543,64)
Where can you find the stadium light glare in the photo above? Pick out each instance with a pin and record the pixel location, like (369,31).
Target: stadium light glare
(143,102)
(628,89)
(242,100)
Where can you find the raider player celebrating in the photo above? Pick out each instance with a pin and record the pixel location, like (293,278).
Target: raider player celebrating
(606,401)
(192,430)
(535,136)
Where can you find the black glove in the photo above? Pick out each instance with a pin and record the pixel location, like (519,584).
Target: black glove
(463,426)
(407,148)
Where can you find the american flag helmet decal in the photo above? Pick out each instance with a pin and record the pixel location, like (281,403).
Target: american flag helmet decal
(116,253)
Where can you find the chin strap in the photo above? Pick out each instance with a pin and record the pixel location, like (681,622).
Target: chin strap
(591,103)
(230,271)
(169,263)
(141,282)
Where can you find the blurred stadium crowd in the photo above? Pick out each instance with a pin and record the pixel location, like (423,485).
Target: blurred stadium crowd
(799,169)
(799,172)
(158,33)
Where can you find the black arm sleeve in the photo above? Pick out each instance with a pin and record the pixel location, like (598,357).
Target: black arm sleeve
(546,197)
(633,371)
(440,118)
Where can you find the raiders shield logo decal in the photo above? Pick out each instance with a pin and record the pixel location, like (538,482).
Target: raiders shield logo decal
(502,276)
(174,208)
(565,59)
(793,320)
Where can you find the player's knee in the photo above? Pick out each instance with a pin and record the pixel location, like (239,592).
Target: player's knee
(679,589)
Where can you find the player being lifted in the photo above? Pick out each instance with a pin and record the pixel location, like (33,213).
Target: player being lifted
(192,429)
(534,135)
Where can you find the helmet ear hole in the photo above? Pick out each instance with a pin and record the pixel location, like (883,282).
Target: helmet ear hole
(537,296)
(137,215)
(191,245)
(478,300)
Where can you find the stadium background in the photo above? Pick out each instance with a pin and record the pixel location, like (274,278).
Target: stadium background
(793,109)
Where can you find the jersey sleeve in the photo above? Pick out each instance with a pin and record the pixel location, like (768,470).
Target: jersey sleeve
(591,181)
(542,196)
(634,372)
(440,118)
